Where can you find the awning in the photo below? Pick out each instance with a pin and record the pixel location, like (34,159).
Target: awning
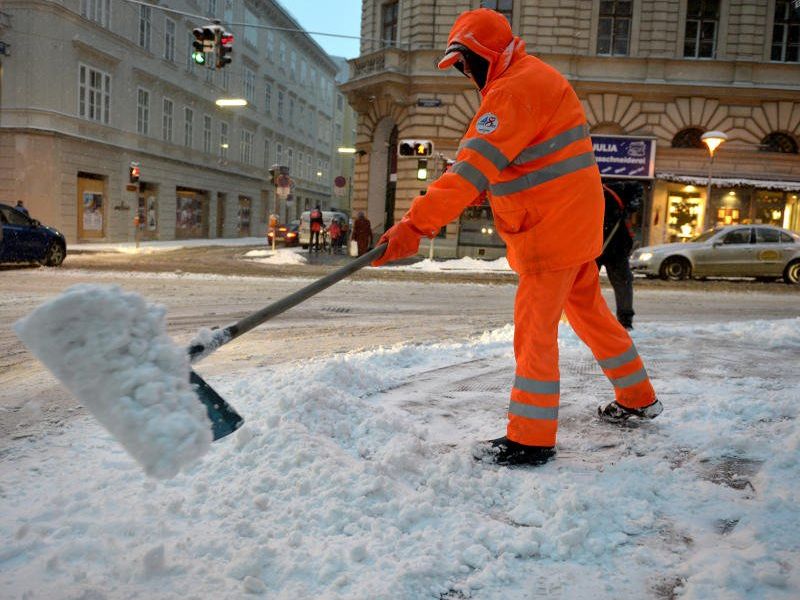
(767,184)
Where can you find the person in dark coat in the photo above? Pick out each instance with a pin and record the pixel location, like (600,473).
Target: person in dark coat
(622,199)
(21,208)
(362,233)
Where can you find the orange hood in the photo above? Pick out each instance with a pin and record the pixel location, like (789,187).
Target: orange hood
(488,34)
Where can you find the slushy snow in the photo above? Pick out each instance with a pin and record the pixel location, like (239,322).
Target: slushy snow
(111,350)
(353,478)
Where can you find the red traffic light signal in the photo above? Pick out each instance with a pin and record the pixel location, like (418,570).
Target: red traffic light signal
(224,48)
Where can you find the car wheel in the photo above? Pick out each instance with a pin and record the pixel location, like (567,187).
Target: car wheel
(791,274)
(675,269)
(55,255)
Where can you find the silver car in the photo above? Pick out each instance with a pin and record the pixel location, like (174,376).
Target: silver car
(760,251)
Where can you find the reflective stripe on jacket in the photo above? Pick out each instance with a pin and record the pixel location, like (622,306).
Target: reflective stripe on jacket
(529,145)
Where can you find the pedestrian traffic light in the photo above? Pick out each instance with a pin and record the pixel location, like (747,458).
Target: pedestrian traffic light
(224,43)
(133,172)
(418,148)
(422,169)
(204,40)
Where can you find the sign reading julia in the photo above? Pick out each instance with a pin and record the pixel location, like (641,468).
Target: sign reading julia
(624,156)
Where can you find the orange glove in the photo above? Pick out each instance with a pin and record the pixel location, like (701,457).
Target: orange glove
(403,239)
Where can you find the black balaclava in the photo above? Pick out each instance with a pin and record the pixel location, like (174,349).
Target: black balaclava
(477,66)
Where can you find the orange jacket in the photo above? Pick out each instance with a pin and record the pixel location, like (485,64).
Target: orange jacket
(529,145)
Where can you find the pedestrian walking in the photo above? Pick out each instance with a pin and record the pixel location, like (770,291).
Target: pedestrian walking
(335,232)
(316,225)
(529,145)
(362,233)
(621,200)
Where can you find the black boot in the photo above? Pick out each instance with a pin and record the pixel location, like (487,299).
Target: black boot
(503,451)
(613,412)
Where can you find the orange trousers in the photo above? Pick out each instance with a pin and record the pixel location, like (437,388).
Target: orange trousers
(541,297)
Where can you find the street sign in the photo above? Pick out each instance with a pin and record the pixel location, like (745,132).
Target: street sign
(625,156)
(429,102)
(340,182)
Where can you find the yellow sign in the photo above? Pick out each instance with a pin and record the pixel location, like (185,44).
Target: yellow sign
(769,255)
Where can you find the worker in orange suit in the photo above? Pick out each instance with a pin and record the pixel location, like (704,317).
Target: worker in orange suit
(529,146)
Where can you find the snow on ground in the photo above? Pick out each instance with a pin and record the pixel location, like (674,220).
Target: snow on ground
(162,246)
(353,478)
(279,256)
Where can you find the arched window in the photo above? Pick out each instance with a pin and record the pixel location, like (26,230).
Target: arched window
(779,142)
(688,138)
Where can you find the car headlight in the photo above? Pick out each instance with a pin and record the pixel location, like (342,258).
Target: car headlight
(645,256)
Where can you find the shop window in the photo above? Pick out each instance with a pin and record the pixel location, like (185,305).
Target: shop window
(614,27)
(768,207)
(688,138)
(702,17)
(683,215)
(779,142)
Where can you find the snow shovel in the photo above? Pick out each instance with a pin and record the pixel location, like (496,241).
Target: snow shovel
(224,418)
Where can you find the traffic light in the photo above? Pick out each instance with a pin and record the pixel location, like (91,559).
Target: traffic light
(134,172)
(418,148)
(204,40)
(224,43)
(422,169)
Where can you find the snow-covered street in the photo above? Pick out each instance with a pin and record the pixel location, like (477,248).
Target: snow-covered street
(354,478)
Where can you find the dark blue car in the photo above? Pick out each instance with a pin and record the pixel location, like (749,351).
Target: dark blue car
(23,240)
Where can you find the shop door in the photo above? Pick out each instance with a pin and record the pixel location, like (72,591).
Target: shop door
(244,216)
(148,211)
(221,201)
(91,208)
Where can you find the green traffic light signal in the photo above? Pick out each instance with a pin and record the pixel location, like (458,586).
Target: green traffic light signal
(199,57)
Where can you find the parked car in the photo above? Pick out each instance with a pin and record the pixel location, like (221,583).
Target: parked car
(286,234)
(23,240)
(327,217)
(761,251)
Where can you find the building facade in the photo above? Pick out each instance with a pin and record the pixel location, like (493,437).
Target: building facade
(91,89)
(653,76)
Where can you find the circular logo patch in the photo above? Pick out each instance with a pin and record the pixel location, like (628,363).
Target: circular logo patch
(487,123)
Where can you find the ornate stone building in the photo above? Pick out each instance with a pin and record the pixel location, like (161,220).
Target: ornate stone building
(659,73)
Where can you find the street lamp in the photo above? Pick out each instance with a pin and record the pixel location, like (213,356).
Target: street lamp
(224,102)
(712,140)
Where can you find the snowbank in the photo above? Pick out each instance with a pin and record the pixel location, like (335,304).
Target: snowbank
(111,350)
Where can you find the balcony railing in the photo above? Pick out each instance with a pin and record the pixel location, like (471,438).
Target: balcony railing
(386,59)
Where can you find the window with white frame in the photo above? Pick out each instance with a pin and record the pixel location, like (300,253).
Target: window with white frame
(614,27)
(309,163)
(290,161)
(189,60)
(94,94)
(282,53)
(786,32)
(291,110)
(166,120)
(267,97)
(249,85)
(250,29)
(188,127)
(211,8)
(702,22)
(98,11)
(145,26)
(338,127)
(246,149)
(278,153)
(223,140)
(270,44)
(319,169)
(293,65)
(207,147)
(280,104)
(301,165)
(267,163)
(169,39)
(142,111)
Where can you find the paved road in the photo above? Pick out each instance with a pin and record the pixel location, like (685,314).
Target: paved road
(376,307)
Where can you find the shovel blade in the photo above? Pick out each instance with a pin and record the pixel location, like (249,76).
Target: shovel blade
(224,419)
